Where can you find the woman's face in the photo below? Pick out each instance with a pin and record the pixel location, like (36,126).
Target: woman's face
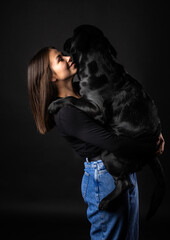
(61,65)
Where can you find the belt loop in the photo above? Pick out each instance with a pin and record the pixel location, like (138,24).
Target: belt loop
(87,159)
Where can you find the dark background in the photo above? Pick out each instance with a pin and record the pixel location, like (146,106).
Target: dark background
(40,176)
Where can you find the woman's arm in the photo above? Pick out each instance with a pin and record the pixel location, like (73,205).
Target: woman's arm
(76,123)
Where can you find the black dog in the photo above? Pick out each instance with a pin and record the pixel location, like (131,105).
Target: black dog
(117,101)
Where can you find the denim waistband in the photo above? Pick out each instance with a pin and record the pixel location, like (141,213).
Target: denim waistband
(98,164)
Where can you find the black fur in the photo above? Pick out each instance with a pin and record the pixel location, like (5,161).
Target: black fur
(117,101)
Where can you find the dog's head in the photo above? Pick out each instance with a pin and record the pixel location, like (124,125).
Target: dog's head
(88,39)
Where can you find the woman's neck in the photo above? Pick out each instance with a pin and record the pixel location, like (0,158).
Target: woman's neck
(65,89)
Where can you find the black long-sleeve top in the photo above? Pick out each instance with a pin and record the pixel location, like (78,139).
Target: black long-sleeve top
(86,136)
(89,139)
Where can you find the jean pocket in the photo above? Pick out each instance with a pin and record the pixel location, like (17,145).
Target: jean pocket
(102,171)
(84,184)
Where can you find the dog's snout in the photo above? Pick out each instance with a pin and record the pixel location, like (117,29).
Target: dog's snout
(73,50)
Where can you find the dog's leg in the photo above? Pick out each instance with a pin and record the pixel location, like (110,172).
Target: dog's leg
(91,109)
(160,188)
(119,171)
(121,184)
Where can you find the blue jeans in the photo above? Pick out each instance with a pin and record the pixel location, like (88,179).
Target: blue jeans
(122,223)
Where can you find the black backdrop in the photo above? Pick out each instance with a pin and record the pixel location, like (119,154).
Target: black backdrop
(40,176)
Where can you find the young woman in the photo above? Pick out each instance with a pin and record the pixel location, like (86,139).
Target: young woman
(50,76)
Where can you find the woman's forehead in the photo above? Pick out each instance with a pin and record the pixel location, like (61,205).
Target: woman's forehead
(54,52)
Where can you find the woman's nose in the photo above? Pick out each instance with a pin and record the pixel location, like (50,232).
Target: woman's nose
(69,59)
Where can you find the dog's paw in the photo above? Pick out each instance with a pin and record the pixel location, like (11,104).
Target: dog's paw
(104,204)
(55,106)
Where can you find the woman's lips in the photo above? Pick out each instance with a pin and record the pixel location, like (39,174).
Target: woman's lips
(73,64)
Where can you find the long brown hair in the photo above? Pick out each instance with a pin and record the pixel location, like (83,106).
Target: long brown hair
(41,90)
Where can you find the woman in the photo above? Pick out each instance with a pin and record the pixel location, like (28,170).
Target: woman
(50,76)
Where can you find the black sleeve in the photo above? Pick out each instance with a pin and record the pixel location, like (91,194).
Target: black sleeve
(77,123)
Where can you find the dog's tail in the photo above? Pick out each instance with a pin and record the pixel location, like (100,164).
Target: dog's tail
(160,189)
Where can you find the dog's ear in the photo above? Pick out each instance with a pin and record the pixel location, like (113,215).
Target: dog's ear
(110,47)
(67,45)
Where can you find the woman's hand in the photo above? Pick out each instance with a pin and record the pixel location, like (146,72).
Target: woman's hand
(161,143)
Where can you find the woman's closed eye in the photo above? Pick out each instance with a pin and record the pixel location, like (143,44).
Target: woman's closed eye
(60,58)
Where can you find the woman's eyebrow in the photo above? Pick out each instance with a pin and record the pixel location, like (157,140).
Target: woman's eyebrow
(60,55)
